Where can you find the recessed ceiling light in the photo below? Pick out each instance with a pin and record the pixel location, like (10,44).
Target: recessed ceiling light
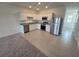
(37,9)
(30,6)
(46,6)
(39,3)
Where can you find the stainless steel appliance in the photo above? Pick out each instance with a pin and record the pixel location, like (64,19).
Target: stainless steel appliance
(43,25)
(56,25)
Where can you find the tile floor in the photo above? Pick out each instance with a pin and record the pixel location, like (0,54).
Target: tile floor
(51,45)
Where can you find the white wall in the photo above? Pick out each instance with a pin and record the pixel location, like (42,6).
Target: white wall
(60,11)
(8,20)
(26,12)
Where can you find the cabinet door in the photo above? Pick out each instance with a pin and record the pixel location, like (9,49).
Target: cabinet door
(38,26)
(48,28)
(33,27)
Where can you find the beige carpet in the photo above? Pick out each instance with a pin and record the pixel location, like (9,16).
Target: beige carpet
(17,46)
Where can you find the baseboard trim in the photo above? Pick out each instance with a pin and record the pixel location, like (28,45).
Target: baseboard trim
(12,35)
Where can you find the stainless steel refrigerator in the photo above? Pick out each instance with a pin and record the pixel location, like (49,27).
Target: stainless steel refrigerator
(56,25)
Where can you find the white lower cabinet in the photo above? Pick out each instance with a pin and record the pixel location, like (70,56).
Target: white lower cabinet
(48,28)
(38,26)
(34,26)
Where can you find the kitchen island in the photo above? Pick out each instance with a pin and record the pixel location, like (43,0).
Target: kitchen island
(34,25)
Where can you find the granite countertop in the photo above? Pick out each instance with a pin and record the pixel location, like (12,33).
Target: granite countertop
(33,22)
(28,23)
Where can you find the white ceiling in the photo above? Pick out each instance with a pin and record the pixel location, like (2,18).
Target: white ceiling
(35,5)
(42,6)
